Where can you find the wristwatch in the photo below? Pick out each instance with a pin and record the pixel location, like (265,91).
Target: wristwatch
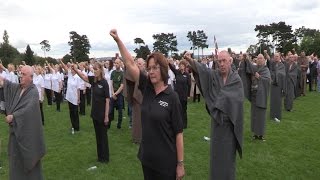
(180,163)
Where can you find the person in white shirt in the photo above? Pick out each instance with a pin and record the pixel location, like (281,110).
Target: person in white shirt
(73,95)
(3,74)
(38,81)
(48,85)
(56,84)
(83,88)
(89,71)
(107,73)
(11,76)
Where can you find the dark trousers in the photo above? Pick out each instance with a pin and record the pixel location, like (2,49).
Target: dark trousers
(82,103)
(74,116)
(130,114)
(151,174)
(102,140)
(41,110)
(184,112)
(58,99)
(49,96)
(88,96)
(116,104)
(195,95)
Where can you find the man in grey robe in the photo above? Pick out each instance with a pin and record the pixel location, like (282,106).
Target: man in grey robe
(291,82)
(245,78)
(278,82)
(298,88)
(260,85)
(26,143)
(223,93)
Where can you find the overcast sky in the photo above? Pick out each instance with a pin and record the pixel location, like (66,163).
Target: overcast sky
(231,21)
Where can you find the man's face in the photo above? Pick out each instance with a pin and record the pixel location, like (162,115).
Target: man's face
(277,57)
(224,62)
(117,63)
(26,77)
(260,60)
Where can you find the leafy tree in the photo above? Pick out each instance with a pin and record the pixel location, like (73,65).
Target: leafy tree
(7,52)
(142,51)
(28,56)
(45,46)
(165,43)
(311,44)
(202,40)
(278,33)
(192,37)
(66,58)
(139,41)
(79,46)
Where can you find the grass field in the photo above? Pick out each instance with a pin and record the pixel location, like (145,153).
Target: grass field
(292,149)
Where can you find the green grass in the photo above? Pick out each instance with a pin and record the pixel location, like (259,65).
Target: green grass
(292,149)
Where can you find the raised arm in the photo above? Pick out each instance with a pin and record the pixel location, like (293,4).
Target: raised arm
(63,65)
(80,74)
(50,67)
(187,56)
(132,68)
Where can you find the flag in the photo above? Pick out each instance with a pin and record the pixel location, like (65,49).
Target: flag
(216,45)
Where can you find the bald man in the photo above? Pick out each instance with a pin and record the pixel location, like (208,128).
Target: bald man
(291,82)
(278,83)
(258,96)
(26,142)
(223,93)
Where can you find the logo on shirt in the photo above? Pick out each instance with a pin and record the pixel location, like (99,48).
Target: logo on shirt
(99,86)
(163,104)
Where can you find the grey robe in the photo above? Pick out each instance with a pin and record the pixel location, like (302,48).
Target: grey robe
(134,97)
(291,83)
(278,82)
(245,77)
(259,98)
(225,106)
(26,143)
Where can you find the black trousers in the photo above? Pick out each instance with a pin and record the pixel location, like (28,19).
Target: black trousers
(49,96)
(151,174)
(102,140)
(58,99)
(41,110)
(195,95)
(74,116)
(88,96)
(184,112)
(82,103)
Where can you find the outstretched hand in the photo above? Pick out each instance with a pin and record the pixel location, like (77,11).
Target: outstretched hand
(114,34)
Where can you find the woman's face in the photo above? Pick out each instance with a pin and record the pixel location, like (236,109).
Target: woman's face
(37,71)
(182,67)
(97,71)
(107,64)
(154,73)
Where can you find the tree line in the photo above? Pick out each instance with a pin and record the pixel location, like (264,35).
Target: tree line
(282,38)
(272,37)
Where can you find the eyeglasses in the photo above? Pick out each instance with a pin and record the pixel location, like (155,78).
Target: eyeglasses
(153,68)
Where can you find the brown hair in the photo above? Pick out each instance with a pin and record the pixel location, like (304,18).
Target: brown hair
(161,60)
(99,66)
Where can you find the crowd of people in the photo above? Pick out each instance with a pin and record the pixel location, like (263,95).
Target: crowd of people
(156,92)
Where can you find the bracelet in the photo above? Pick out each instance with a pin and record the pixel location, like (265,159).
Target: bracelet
(180,163)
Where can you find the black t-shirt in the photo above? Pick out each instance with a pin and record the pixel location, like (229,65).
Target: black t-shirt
(161,122)
(100,91)
(183,81)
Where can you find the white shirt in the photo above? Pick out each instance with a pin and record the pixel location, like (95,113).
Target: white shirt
(72,88)
(82,82)
(56,79)
(12,77)
(171,77)
(47,81)
(38,81)
(90,73)
(107,76)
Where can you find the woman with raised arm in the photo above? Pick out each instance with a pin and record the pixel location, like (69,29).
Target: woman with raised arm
(161,148)
(73,96)
(38,81)
(99,109)
(56,81)
(48,85)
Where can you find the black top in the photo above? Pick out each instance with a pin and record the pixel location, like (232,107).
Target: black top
(100,91)
(182,84)
(161,121)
